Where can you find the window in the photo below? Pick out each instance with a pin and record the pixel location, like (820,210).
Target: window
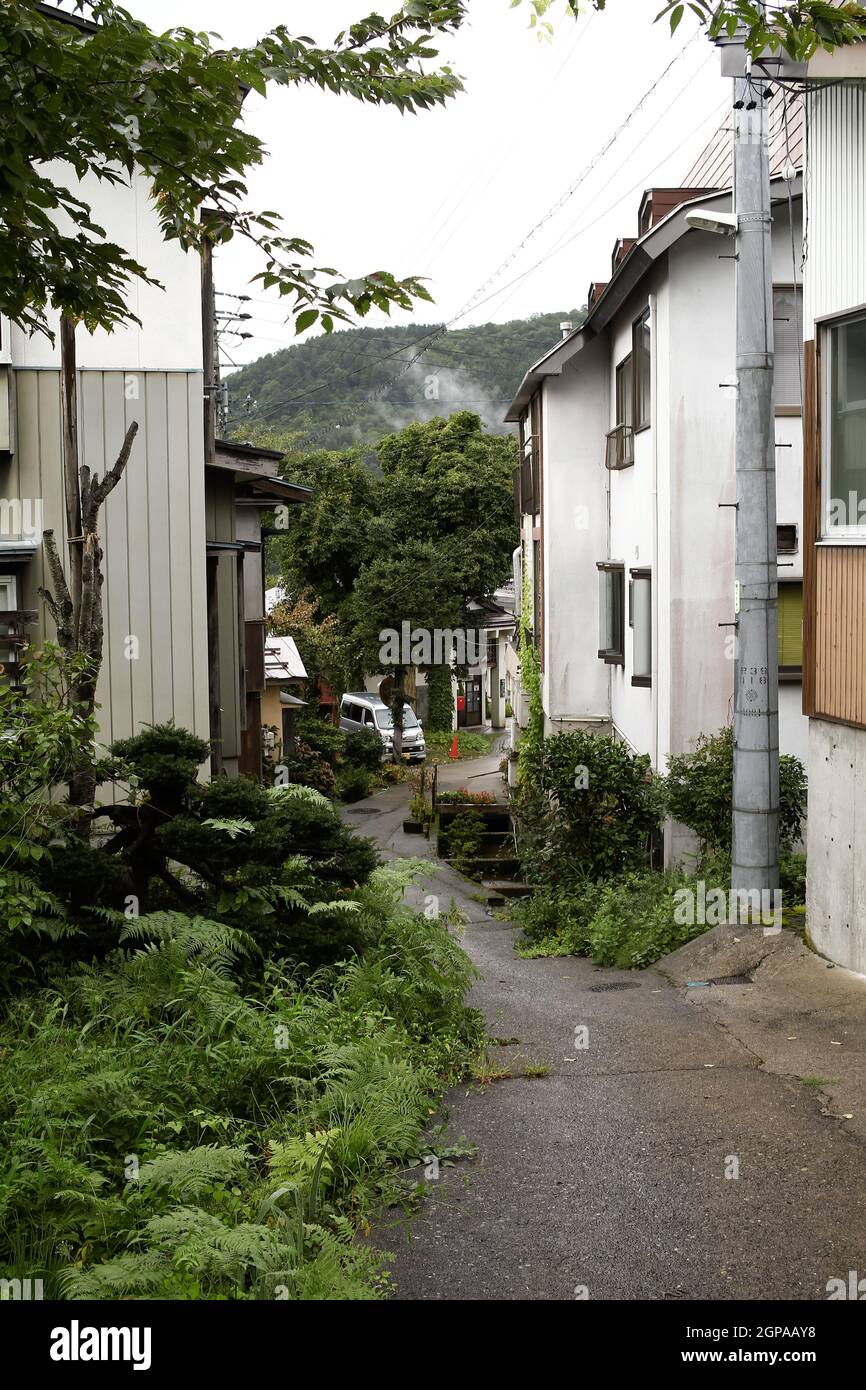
(844,367)
(8,604)
(641,623)
(642,359)
(620,451)
(624,392)
(611,613)
(788,347)
(790,629)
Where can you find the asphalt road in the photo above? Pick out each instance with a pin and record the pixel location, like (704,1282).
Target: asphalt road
(608,1174)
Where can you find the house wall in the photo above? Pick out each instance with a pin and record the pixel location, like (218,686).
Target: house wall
(592,514)
(631,516)
(575,684)
(169,336)
(835,281)
(152,533)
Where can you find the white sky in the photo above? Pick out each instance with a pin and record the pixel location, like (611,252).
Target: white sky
(451,193)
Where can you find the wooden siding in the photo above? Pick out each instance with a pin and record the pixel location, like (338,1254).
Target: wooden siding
(840,633)
(834,589)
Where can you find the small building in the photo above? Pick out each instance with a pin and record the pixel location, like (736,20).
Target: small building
(285,682)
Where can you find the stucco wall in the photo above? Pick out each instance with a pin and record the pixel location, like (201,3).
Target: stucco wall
(576,405)
(835,837)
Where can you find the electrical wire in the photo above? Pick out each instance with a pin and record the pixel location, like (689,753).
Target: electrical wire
(474,301)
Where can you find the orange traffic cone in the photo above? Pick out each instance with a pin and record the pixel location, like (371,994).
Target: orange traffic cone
(454,746)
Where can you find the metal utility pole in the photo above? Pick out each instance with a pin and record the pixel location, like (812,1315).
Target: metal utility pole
(755,838)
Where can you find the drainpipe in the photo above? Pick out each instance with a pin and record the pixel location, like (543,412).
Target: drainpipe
(654,524)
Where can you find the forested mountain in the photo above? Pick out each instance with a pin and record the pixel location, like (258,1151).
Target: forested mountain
(363,383)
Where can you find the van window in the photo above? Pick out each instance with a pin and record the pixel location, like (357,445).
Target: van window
(352,711)
(385,719)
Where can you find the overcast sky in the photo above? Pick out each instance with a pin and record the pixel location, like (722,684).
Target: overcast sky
(451,194)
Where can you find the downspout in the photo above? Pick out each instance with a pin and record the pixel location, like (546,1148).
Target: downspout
(654,525)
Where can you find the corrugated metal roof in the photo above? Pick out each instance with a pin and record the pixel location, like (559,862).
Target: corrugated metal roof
(715,163)
(283,660)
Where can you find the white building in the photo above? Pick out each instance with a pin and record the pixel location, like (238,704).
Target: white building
(835,507)
(627,485)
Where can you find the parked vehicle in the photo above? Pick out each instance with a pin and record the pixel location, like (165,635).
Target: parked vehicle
(361,710)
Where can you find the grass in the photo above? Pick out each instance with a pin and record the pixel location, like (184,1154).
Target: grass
(468,745)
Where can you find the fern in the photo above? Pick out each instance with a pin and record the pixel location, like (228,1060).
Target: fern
(233,828)
(185,1173)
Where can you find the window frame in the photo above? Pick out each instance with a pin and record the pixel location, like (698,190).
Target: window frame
(641,574)
(789,408)
(615,654)
(640,422)
(791,673)
(827,327)
(626,369)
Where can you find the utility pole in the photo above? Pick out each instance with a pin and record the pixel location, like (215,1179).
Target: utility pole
(755,829)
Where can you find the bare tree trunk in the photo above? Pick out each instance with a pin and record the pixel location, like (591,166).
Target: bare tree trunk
(69,447)
(75,603)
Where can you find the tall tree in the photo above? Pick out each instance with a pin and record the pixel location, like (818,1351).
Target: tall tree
(94,93)
(105,96)
(414,535)
(800,27)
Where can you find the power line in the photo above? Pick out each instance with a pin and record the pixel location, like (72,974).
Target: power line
(507,155)
(587,226)
(474,302)
(583,176)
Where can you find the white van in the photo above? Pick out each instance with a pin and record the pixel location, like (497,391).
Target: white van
(361,710)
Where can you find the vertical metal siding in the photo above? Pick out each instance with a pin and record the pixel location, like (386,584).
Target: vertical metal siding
(152,530)
(835,278)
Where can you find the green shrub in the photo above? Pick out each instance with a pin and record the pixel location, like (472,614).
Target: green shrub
(586,808)
(164,1134)
(324,738)
(165,760)
(465,837)
(353,783)
(363,749)
(628,922)
(440,699)
(792,880)
(310,769)
(634,923)
(700,793)
(556,923)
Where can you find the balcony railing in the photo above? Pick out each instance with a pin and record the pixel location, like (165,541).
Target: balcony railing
(620,448)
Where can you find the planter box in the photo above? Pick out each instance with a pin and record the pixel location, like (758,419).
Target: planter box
(413,827)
